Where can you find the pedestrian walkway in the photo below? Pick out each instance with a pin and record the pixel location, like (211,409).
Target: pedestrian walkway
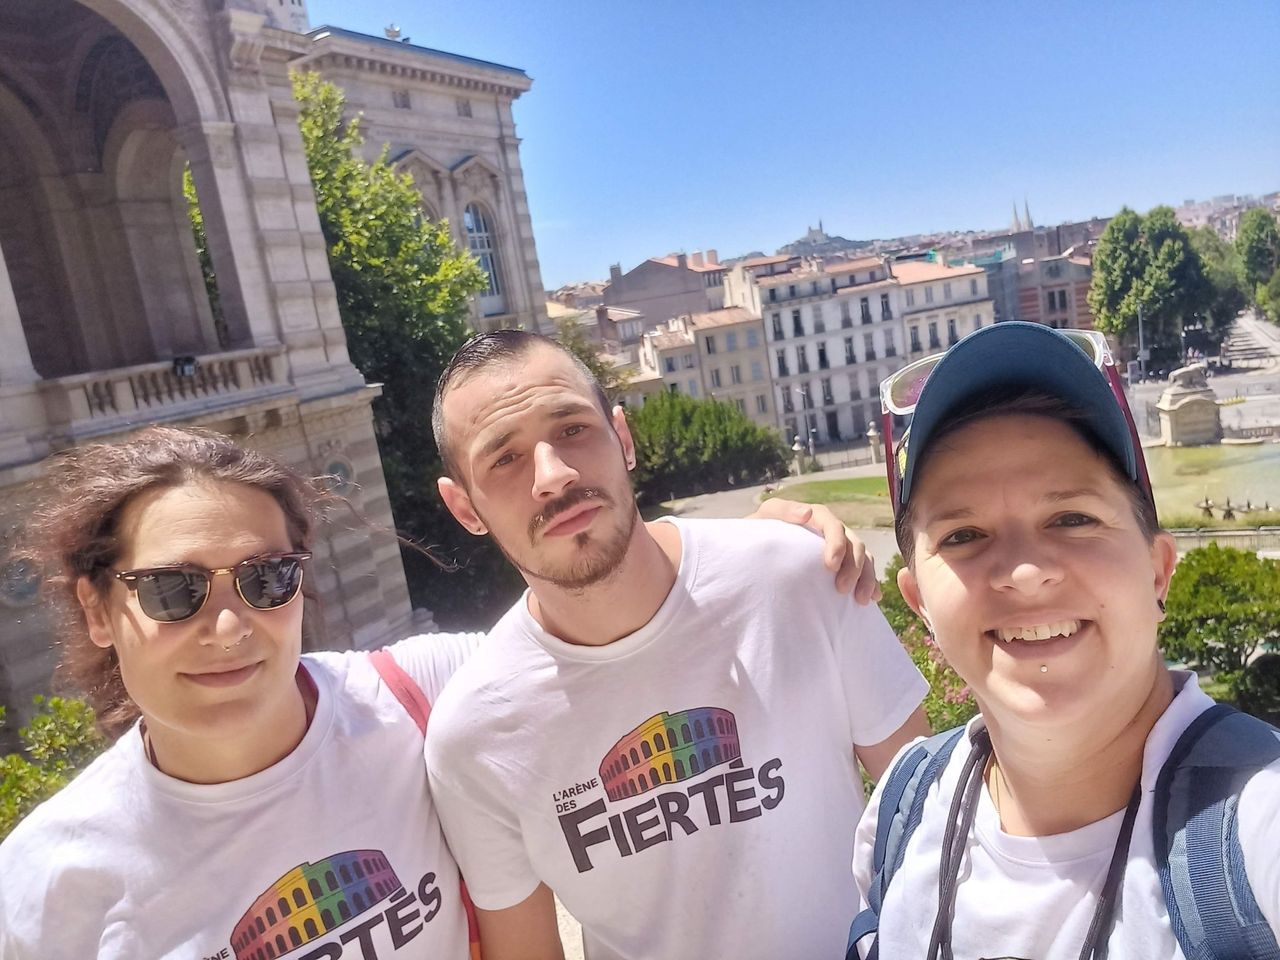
(741,501)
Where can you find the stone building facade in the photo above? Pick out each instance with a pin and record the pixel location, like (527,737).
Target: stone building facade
(1055,290)
(836,329)
(447,120)
(105,325)
(662,288)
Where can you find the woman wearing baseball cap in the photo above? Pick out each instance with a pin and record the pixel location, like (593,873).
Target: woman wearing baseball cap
(1101,801)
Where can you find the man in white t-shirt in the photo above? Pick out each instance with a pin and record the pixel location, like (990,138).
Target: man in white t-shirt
(666,729)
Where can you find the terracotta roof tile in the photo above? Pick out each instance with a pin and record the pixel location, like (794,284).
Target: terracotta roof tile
(723,318)
(671,340)
(920,271)
(763,261)
(695,267)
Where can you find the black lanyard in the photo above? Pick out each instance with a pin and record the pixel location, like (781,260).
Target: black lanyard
(964,806)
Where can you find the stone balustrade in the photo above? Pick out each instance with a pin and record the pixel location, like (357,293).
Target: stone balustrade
(91,404)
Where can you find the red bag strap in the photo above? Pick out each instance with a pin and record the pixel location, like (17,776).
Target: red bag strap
(402,685)
(416,704)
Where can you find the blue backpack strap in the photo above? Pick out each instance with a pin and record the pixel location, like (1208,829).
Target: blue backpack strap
(897,816)
(1211,906)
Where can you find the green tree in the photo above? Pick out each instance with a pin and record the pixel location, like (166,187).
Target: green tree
(1222,270)
(1148,263)
(402,288)
(686,446)
(60,741)
(612,378)
(1268,298)
(1258,242)
(1223,606)
(948,702)
(202,254)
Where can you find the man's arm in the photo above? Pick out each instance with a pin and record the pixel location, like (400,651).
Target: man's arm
(527,931)
(876,758)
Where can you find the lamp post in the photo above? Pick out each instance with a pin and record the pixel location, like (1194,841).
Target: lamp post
(797,448)
(1142,349)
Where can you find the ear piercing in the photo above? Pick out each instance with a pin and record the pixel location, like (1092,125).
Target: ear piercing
(1160,604)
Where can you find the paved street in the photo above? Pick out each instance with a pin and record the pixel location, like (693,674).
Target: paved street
(742,501)
(1253,388)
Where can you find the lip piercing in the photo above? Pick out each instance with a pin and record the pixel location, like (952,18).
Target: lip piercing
(1044,668)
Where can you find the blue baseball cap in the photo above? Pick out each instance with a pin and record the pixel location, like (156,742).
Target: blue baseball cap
(1017,354)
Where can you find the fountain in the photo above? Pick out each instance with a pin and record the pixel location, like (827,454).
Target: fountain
(1189,414)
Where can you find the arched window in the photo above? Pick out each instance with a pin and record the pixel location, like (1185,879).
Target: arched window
(483,244)
(481,241)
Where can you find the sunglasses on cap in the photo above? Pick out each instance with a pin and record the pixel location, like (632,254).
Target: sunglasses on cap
(175,593)
(900,392)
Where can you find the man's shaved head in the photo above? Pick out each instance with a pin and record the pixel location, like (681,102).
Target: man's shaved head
(486,351)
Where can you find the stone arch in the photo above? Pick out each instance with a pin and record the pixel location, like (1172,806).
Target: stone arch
(30,185)
(144,166)
(105,220)
(484,239)
(178,58)
(432,180)
(478,181)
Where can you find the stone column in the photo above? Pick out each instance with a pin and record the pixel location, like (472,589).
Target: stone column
(21,413)
(15,358)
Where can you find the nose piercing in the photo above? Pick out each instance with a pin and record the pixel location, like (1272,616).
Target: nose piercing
(1044,668)
(226,647)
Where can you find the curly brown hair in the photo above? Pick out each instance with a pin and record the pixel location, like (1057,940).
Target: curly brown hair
(73,534)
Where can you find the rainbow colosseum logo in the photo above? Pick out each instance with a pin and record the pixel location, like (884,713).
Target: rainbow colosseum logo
(310,900)
(668,748)
(678,773)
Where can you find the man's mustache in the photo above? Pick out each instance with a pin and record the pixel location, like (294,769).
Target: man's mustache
(567,502)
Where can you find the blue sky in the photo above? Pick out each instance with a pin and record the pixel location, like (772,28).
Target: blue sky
(661,126)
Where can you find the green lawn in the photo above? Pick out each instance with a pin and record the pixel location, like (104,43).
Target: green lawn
(864,502)
(858,501)
(1243,521)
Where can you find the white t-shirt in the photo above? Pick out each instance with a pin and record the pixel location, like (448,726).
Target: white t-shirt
(335,851)
(689,790)
(1034,897)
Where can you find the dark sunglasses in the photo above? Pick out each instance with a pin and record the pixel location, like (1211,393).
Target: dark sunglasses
(172,594)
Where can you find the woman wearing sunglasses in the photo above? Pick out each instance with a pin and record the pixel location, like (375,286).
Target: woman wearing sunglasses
(1100,802)
(258,802)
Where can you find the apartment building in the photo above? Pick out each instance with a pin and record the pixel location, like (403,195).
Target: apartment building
(662,288)
(670,353)
(1055,290)
(833,333)
(940,304)
(734,360)
(836,329)
(720,355)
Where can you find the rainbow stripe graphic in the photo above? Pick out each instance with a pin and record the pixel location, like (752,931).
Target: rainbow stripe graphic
(668,748)
(310,900)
